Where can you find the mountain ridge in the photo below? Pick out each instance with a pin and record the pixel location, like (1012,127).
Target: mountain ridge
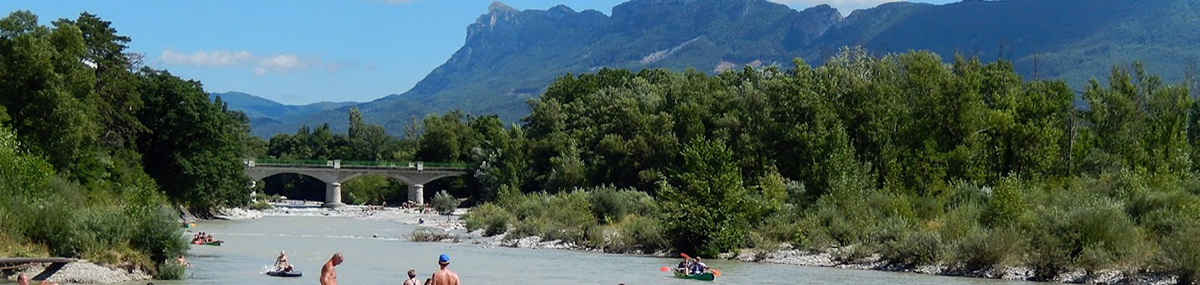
(510,55)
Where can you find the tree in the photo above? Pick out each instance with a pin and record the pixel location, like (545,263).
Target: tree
(193,149)
(444,204)
(705,204)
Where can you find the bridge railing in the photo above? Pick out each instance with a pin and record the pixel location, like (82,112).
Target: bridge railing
(361,164)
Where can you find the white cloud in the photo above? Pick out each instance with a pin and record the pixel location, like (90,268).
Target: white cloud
(261,65)
(281,63)
(843,6)
(206,58)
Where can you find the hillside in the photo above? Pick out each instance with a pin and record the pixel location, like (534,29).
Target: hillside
(510,56)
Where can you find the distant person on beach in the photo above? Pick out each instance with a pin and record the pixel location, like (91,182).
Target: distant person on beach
(445,276)
(328,276)
(412,278)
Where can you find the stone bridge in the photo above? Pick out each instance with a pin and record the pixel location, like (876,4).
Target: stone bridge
(334,172)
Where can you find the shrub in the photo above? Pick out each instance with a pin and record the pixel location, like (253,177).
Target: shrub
(914,248)
(610,205)
(492,219)
(426,234)
(170,271)
(157,233)
(443,203)
(644,233)
(1006,205)
(1181,254)
(1080,230)
(260,205)
(983,249)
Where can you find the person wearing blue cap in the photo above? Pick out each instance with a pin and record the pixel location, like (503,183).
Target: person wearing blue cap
(445,276)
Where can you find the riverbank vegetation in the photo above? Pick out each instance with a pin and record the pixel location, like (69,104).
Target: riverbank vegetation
(902,156)
(96,148)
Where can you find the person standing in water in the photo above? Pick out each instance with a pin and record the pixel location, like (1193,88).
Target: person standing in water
(328,276)
(22,279)
(445,276)
(412,278)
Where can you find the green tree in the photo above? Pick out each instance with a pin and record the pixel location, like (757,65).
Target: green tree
(444,204)
(193,149)
(705,206)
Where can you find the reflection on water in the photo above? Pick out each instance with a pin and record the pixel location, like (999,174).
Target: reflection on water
(251,247)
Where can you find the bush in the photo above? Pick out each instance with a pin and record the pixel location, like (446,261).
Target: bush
(157,233)
(443,203)
(492,219)
(610,205)
(260,205)
(170,271)
(1080,230)
(915,248)
(426,234)
(643,233)
(983,249)
(1181,254)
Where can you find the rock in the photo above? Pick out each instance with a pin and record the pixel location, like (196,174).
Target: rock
(84,272)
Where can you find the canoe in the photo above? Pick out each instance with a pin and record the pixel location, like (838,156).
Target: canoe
(215,243)
(708,276)
(278,273)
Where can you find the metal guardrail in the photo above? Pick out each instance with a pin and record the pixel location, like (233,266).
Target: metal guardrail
(358,164)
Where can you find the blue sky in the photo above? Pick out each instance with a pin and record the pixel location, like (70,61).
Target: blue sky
(304,51)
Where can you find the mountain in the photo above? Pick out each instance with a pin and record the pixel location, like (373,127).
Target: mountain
(509,55)
(269,117)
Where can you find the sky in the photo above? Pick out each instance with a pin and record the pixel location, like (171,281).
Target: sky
(305,51)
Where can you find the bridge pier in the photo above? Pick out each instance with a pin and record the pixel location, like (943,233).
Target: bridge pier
(333,195)
(416,193)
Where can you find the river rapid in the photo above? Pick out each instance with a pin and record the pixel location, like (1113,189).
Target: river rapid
(377,253)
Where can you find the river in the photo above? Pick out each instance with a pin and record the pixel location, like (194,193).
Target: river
(251,245)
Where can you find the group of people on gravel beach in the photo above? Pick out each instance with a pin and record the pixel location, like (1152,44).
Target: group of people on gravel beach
(442,277)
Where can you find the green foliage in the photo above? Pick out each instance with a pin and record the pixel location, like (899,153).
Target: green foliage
(982,249)
(443,203)
(199,173)
(610,205)
(170,270)
(373,190)
(707,214)
(915,248)
(1181,254)
(489,217)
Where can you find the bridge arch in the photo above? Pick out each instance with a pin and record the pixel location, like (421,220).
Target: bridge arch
(333,174)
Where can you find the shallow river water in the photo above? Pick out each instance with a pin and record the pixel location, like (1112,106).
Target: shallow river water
(252,245)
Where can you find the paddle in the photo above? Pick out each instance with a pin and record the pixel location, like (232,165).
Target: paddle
(716,273)
(665,269)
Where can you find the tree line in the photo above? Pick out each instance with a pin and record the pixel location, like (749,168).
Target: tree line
(903,155)
(97,144)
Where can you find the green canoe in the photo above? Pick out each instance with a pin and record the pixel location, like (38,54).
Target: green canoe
(215,243)
(708,276)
